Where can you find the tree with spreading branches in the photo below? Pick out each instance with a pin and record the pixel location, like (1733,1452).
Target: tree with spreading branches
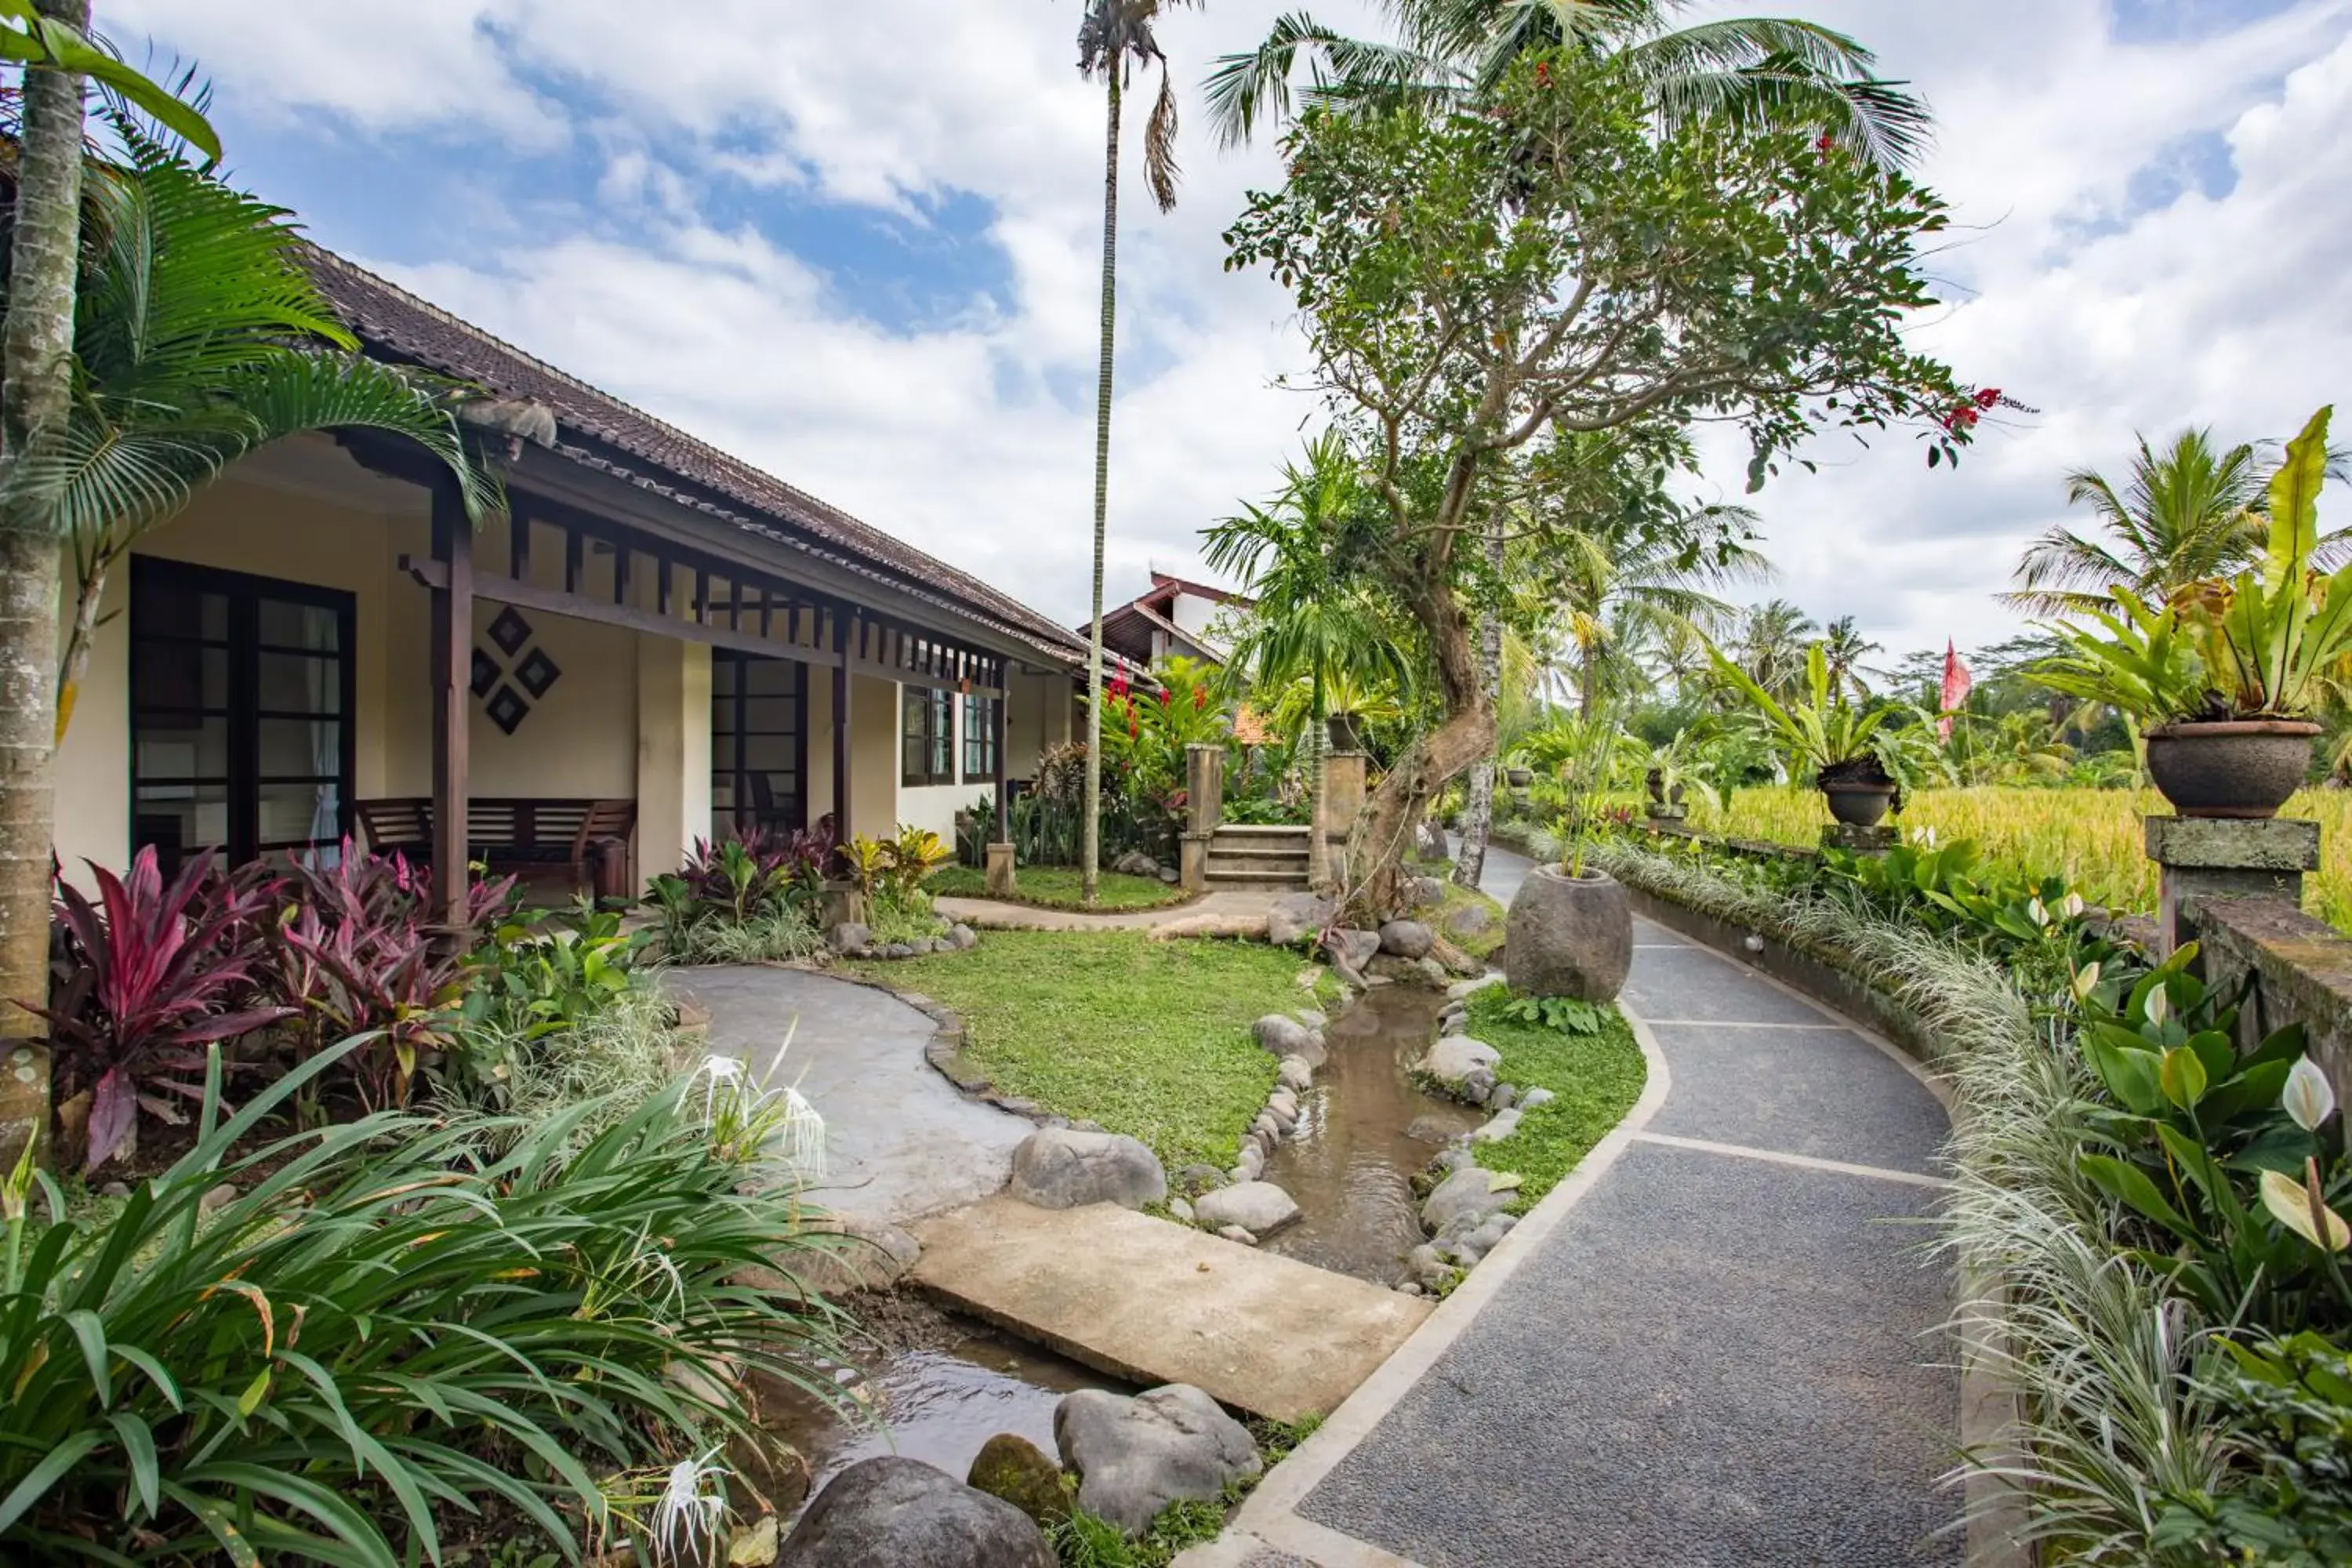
(1115,37)
(1553,260)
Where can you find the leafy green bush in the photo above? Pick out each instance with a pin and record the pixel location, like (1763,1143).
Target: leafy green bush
(743,899)
(385,1331)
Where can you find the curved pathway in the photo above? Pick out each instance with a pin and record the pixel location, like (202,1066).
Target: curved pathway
(899,1139)
(1717,1343)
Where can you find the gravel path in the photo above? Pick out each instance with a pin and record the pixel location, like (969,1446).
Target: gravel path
(1723,1351)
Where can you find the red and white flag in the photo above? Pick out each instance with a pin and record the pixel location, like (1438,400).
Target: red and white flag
(1957,684)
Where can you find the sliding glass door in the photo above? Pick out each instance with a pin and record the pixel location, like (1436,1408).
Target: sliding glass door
(241,697)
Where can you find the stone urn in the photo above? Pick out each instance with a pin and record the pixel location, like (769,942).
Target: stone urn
(1569,936)
(1346,732)
(2239,768)
(1858,805)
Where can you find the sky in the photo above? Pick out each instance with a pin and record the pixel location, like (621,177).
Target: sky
(859,244)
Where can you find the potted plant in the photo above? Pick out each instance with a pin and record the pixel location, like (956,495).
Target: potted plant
(1669,776)
(1570,930)
(2226,675)
(1842,747)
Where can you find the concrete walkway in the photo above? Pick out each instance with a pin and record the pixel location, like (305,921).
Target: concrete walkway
(1237,913)
(1715,1344)
(1154,1302)
(899,1139)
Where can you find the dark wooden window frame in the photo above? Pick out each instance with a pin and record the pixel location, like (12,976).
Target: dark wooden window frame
(740,775)
(243,590)
(980,738)
(936,736)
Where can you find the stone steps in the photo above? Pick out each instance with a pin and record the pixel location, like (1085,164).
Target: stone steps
(1251,856)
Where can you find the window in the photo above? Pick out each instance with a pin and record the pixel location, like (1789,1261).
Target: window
(980,739)
(927,736)
(759,746)
(241,700)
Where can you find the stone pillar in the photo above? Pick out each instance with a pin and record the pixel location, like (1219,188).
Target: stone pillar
(1337,808)
(1873,840)
(673,753)
(1001,882)
(2212,856)
(1205,809)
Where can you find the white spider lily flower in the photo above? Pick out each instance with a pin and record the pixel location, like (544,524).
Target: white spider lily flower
(687,1514)
(2308,1098)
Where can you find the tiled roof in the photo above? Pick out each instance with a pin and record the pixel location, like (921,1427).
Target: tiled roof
(658,457)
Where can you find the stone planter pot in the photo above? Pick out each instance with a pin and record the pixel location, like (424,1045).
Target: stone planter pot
(2242,768)
(1569,936)
(1345,735)
(1858,806)
(1518,778)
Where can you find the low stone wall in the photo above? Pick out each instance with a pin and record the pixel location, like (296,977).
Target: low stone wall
(2302,970)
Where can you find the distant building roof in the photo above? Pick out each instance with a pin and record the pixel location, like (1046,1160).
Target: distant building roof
(1128,628)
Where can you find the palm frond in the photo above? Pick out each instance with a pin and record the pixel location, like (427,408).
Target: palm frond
(1247,89)
(1159,166)
(1769,73)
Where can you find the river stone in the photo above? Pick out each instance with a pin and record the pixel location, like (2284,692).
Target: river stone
(851,936)
(963,938)
(1353,949)
(1136,863)
(1010,1466)
(1180,1211)
(1432,1129)
(1536,1097)
(1428,842)
(1504,1097)
(1135,1456)
(1503,1124)
(1465,1191)
(1454,1058)
(1197,1178)
(1407,938)
(1298,1072)
(1284,1036)
(1489,1234)
(1064,1168)
(1258,1207)
(1428,1270)
(853,1253)
(1477,1085)
(1472,918)
(1423,892)
(904,1512)
(1462,990)
(1237,1236)
(1294,917)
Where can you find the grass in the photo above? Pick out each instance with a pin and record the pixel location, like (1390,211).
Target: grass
(2093,836)
(1149,1038)
(1057,887)
(1596,1078)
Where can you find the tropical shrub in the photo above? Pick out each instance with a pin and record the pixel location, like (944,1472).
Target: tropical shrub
(1825,737)
(747,897)
(154,972)
(386,1331)
(521,986)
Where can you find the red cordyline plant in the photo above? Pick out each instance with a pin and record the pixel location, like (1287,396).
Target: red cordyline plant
(355,948)
(155,970)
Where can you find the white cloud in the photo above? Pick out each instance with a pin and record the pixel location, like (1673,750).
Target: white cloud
(971,434)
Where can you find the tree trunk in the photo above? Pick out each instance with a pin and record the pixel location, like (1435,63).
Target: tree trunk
(35,387)
(1478,814)
(1466,733)
(1090,851)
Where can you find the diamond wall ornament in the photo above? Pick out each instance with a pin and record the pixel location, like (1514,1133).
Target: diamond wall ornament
(507,709)
(537,672)
(509,631)
(486,673)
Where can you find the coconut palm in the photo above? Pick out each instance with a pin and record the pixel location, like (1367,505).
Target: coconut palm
(200,337)
(50,39)
(1114,38)
(1750,70)
(1845,648)
(2188,513)
(1770,645)
(1622,587)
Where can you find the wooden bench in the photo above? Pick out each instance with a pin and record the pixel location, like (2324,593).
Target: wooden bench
(511,830)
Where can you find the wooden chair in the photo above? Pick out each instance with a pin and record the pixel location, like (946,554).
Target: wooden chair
(509,831)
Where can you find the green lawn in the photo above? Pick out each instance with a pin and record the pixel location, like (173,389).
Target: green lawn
(1149,1038)
(1596,1078)
(1057,887)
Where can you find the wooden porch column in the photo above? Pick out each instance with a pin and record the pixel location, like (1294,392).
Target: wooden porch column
(847,633)
(453,646)
(996,749)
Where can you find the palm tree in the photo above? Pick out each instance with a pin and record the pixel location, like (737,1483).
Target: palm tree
(1623,588)
(1312,626)
(35,400)
(1770,645)
(2186,514)
(1845,648)
(1750,70)
(1115,37)
(200,337)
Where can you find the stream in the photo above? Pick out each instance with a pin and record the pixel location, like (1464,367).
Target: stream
(1349,1163)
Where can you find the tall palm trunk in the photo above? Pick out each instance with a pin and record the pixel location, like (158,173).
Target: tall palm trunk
(1478,811)
(35,388)
(1090,852)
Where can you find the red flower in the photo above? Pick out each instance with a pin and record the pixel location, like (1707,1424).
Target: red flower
(1134,726)
(1988,397)
(1167,698)
(1543,74)
(1826,145)
(1200,698)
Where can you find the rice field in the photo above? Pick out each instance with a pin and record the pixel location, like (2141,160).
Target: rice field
(2093,836)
